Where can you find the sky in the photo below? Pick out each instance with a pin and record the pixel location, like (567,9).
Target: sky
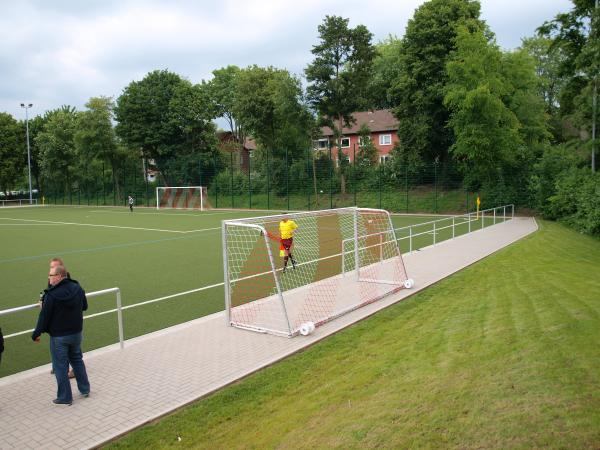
(62,52)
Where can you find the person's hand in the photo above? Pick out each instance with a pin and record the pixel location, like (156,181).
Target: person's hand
(37,339)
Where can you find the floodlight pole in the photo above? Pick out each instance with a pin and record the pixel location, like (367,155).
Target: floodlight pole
(29,105)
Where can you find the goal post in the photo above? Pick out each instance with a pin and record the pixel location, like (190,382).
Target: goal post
(341,259)
(182,197)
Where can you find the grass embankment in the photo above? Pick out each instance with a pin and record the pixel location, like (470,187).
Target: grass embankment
(504,354)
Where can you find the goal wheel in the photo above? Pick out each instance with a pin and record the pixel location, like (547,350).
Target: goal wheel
(306,328)
(409,283)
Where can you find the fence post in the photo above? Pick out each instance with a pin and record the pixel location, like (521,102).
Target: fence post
(513,211)
(354,173)
(406,184)
(268,181)
(216,184)
(504,214)
(379,183)
(482,219)
(435,165)
(231,182)
(331,178)
(494,216)
(453,231)
(120,318)
(287,179)
(249,182)
(308,176)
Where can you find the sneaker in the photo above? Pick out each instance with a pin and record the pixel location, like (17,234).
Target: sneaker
(86,395)
(58,402)
(294,263)
(283,271)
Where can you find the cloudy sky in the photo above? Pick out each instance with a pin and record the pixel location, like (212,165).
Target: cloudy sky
(55,52)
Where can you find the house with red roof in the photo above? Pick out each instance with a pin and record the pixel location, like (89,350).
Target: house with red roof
(384,135)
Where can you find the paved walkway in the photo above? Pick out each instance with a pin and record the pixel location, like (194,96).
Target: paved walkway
(159,372)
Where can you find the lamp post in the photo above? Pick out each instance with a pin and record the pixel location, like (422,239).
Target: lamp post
(29,105)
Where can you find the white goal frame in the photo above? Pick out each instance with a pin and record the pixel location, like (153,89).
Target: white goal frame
(204,204)
(368,280)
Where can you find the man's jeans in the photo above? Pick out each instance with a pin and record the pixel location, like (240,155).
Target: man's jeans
(65,350)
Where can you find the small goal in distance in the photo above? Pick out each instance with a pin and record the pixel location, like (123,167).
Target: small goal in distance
(182,197)
(346,259)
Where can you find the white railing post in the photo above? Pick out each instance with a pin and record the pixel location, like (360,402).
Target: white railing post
(453,233)
(513,211)
(494,216)
(120,318)
(504,214)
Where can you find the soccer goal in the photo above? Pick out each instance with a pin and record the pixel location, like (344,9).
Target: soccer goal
(344,259)
(187,197)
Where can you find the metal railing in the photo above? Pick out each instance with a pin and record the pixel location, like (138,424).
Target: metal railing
(20,202)
(435,229)
(119,311)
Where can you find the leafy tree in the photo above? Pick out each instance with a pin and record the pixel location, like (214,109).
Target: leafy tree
(386,70)
(367,153)
(142,113)
(222,90)
(339,75)
(270,107)
(12,161)
(496,116)
(419,91)
(57,147)
(164,116)
(576,34)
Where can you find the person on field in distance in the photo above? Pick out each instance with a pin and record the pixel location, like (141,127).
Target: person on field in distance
(130,201)
(62,318)
(287,228)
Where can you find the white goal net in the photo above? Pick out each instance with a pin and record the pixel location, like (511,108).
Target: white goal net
(340,260)
(186,197)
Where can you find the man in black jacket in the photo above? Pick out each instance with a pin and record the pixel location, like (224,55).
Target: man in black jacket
(62,318)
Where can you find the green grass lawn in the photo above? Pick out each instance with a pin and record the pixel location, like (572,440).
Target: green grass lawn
(504,354)
(147,254)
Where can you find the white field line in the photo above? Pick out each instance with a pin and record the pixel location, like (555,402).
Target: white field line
(166,212)
(109,226)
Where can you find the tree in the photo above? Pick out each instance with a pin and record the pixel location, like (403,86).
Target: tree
(222,91)
(57,147)
(386,70)
(12,161)
(418,92)
(95,137)
(548,60)
(143,116)
(339,75)
(576,35)
(497,119)
(367,153)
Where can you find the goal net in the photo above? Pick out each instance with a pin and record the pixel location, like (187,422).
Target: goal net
(343,259)
(187,197)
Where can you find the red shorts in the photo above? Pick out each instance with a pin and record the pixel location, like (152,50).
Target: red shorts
(287,243)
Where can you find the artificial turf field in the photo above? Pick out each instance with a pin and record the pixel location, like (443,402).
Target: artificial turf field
(148,254)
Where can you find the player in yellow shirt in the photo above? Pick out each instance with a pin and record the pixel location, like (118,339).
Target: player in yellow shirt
(287,228)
